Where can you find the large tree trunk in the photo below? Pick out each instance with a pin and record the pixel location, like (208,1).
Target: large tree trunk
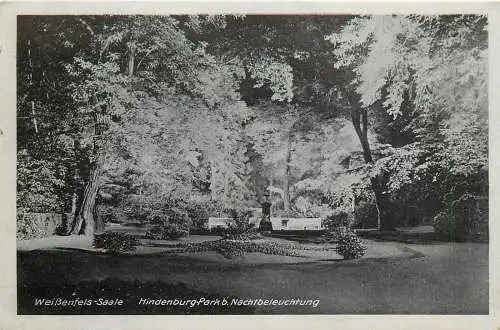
(359,117)
(85,222)
(286,183)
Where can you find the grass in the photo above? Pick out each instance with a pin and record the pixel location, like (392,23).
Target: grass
(422,234)
(451,279)
(441,278)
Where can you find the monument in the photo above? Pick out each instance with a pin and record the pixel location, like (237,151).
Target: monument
(265,223)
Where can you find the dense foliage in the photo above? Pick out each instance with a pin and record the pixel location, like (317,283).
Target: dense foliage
(115,242)
(38,225)
(168,120)
(466,219)
(232,248)
(349,245)
(166,231)
(430,74)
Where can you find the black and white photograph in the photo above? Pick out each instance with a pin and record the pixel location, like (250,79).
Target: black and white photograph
(252,164)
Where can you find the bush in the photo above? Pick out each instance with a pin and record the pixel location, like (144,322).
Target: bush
(167,231)
(229,248)
(28,227)
(239,228)
(339,218)
(349,244)
(39,183)
(240,219)
(65,225)
(219,231)
(108,213)
(37,225)
(466,219)
(173,223)
(309,206)
(115,242)
(234,233)
(247,235)
(200,210)
(174,215)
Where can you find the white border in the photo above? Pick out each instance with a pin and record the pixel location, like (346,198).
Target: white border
(9,319)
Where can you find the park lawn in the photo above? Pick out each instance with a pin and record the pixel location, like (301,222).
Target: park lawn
(306,252)
(440,278)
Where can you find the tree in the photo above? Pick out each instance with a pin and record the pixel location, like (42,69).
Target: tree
(436,65)
(133,82)
(126,110)
(260,47)
(45,126)
(378,71)
(165,95)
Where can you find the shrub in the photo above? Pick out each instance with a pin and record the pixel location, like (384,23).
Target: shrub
(234,233)
(167,231)
(39,183)
(200,210)
(174,215)
(115,242)
(248,235)
(219,231)
(466,219)
(240,219)
(339,218)
(109,213)
(37,225)
(172,223)
(309,207)
(349,245)
(229,248)
(63,227)
(239,227)
(198,214)
(28,227)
